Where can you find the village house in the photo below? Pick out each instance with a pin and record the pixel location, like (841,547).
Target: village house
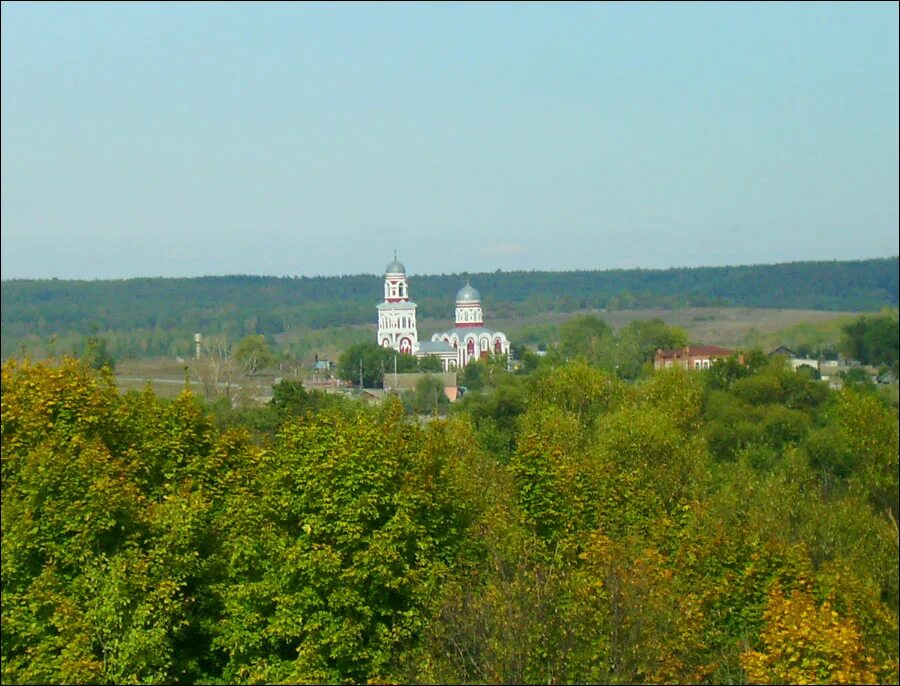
(691,357)
(793,359)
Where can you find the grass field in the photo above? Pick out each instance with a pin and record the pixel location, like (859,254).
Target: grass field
(725,326)
(166,377)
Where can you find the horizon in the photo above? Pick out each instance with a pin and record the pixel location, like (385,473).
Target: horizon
(458,273)
(304,138)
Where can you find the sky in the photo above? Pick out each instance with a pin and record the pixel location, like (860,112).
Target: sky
(188,139)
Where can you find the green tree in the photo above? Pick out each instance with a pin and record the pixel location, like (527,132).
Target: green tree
(253,355)
(495,414)
(96,354)
(561,527)
(428,396)
(473,376)
(291,399)
(858,378)
(589,337)
(106,502)
(337,551)
(873,340)
(639,340)
(724,371)
(868,430)
(366,360)
(429,363)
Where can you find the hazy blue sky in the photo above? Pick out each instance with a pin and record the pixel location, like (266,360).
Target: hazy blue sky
(189,139)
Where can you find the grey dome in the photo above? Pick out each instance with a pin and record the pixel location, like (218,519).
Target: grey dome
(467,293)
(395,267)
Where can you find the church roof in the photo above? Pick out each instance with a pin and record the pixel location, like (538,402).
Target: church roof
(467,293)
(435,347)
(395,267)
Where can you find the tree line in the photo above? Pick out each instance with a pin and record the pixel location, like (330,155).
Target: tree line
(149,317)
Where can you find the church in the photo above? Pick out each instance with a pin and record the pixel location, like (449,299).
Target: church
(468,340)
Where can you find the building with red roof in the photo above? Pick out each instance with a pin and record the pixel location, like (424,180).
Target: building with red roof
(691,357)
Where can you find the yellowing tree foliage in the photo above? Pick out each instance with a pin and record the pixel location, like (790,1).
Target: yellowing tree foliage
(807,643)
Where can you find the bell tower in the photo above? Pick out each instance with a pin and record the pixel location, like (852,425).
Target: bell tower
(397,314)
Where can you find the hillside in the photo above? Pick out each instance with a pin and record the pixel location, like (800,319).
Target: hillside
(148,315)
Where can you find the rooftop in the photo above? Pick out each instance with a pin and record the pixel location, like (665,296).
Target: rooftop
(435,347)
(694,351)
(395,267)
(408,381)
(468,294)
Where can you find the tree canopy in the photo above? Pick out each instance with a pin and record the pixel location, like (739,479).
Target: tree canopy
(561,526)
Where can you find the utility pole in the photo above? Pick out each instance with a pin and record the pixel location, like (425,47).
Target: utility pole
(360,374)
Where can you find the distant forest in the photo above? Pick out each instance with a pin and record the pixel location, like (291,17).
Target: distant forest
(153,316)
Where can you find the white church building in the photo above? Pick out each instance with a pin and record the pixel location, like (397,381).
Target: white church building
(468,340)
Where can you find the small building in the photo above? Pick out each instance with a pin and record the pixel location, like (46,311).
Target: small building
(372,396)
(691,357)
(797,362)
(886,378)
(834,371)
(793,359)
(831,369)
(782,351)
(407,382)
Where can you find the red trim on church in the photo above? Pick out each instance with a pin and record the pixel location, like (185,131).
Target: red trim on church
(468,325)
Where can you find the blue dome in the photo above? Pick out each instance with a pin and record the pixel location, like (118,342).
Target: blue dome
(468,294)
(395,267)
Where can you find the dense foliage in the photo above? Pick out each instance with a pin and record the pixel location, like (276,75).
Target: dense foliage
(873,340)
(567,525)
(147,317)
